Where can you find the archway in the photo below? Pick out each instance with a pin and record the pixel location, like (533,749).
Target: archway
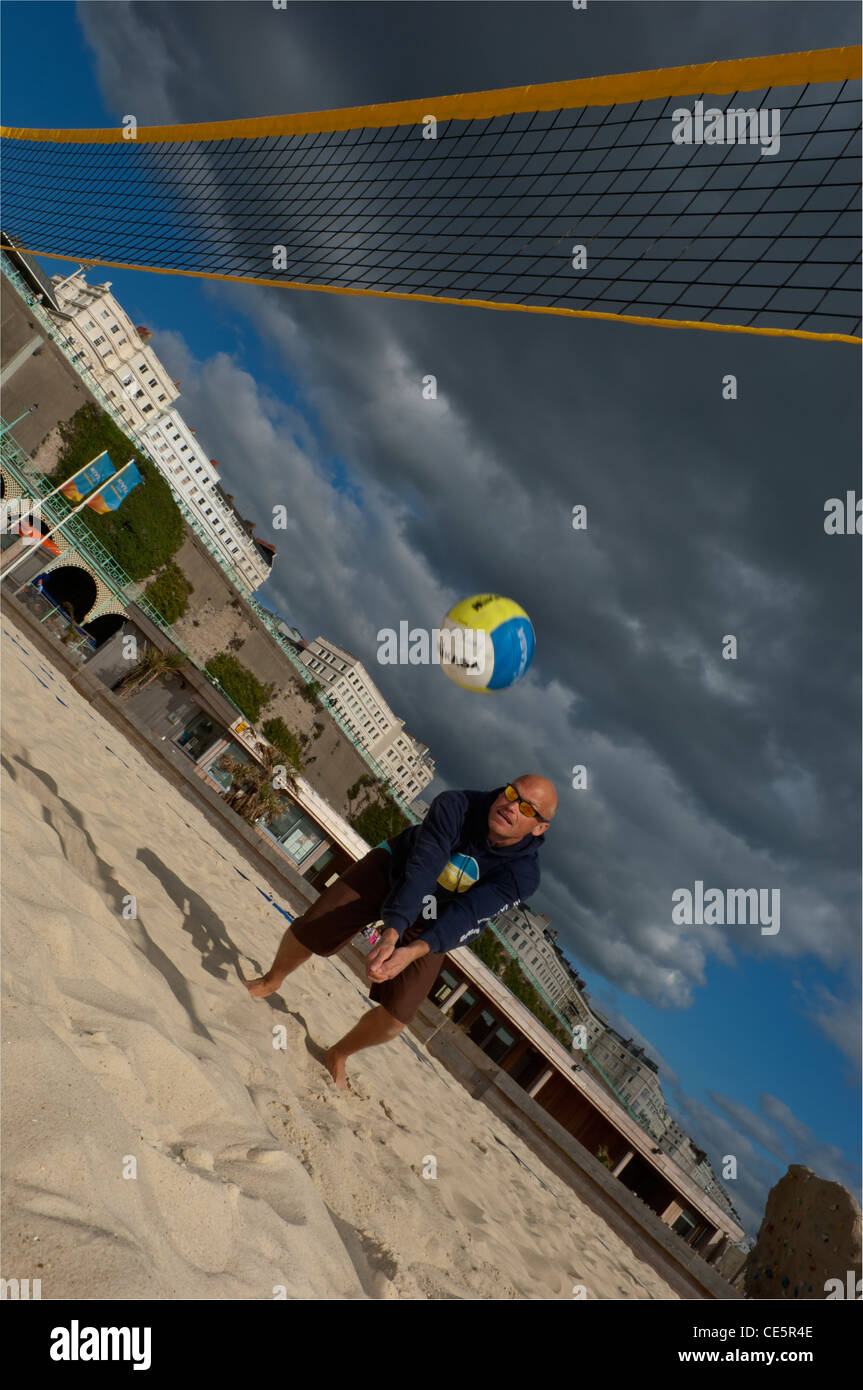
(102,629)
(71,584)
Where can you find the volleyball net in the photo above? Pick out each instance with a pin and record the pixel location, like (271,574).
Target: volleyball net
(724,196)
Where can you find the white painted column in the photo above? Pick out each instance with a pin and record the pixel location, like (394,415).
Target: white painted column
(538,1085)
(456,994)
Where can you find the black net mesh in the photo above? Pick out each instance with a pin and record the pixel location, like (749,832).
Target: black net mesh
(491,210)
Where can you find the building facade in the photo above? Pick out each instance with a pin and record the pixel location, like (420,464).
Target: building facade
(101,337)
(528,936)
(195,478)
(406,762)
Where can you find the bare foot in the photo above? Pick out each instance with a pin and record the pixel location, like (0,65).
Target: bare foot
(335,1065)
(262,987)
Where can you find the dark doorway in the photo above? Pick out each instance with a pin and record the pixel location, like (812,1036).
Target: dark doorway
(102,629)
(69,584)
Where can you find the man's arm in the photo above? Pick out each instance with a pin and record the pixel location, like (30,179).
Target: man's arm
(428,855)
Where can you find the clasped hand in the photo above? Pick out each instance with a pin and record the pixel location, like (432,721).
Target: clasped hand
(387,959)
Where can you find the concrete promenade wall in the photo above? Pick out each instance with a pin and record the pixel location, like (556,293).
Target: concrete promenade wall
(649,1237)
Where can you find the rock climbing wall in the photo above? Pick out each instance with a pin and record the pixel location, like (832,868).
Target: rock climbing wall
(810,1233)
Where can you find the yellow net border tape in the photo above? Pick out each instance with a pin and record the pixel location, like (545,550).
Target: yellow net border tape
(734,75)
(471,303)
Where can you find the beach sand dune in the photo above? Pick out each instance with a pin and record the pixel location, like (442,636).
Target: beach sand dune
(167,1137)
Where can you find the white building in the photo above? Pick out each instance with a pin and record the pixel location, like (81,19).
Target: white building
(171,444)
(528,935)
(634,1076)
(406,763)
(101,337)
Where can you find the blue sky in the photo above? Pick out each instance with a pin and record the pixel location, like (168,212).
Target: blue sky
(742,1027)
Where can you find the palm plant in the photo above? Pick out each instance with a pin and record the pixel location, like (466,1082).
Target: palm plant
(153,663)
(253,794)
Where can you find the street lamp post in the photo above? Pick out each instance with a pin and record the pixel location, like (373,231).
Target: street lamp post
(7,428)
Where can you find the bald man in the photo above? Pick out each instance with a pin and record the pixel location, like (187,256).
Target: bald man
(434,886)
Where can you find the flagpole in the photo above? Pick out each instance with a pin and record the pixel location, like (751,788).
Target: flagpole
(7,502)
(48,534)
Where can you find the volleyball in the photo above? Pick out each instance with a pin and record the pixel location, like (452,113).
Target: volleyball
(486,643)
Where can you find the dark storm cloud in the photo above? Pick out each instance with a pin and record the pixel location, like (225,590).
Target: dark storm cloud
(211,60)
(705,517)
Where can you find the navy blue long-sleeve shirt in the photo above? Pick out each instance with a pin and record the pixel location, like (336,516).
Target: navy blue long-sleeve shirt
(448,857)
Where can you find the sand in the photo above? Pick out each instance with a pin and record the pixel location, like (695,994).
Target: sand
(157,1145)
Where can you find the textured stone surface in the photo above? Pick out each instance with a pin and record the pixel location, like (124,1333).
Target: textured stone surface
(810,1234)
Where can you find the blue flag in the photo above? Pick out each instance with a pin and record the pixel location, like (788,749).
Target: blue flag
(91,476)
(110,496)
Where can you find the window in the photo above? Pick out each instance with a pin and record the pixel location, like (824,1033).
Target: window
(145,408)
(163,397)
(105,313)
(115,327)
(100,339)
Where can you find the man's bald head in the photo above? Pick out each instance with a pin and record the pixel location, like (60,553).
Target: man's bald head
(507,823)
(539,792)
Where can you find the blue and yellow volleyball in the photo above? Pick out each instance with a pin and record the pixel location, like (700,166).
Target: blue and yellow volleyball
(486,643)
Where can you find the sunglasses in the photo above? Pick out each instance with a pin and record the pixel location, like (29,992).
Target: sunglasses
(525,807)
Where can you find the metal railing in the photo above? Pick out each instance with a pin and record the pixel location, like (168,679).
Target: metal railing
(79,536)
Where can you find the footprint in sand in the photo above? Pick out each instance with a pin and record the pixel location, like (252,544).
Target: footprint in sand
(469,1210)
(391,1117)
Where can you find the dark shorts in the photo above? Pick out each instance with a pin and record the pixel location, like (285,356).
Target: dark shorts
(344,909)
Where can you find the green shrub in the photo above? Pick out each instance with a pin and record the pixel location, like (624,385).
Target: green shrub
(169,592)
(147,529)
(277,731)
(380,820)
(241,685)
(489,950)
